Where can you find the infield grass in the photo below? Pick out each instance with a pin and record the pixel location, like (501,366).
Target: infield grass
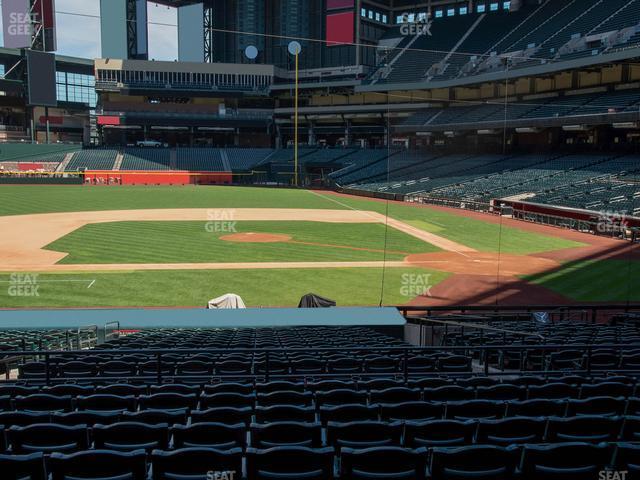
(194,242)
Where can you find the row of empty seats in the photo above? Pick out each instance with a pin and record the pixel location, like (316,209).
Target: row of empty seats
(571,460)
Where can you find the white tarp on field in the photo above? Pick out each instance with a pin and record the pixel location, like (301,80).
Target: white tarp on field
(230,300)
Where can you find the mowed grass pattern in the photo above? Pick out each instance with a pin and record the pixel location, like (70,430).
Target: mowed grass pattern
(594,281)
(198,242)
(174,288)
(482,236)
(22,199)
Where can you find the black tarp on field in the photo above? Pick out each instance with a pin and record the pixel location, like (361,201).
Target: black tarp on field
(311,300)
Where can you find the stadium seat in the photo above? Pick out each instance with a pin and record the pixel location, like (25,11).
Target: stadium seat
(341,397)
(175,388)
(226,415)
(470,409)
(156,417)
(168,401)
(190,463)
(130,436)
(606,406)
(553,391)
(537,408)
(48,438)
(630,429)
(86,417)
(72,390)
(285,413)
(291,397)
(564,461)
(501,392)
(122,389)
(219,436)
(395,395)
(383,462)
(279,386)
(106,403)
(509,431)
(22,419)
(42,402)
(229,387)
(448,393)
(348,413)
(286,463)
(98,465)
(439,433)
(235,400)
(584,429)
(417,411)
(364,434)
(627,459)
(23,467)
(474,462)
(607,389)
(281,434)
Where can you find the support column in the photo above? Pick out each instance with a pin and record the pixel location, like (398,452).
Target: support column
(312,133)
(191,38)
(347,133)
(207,30)
(124,29)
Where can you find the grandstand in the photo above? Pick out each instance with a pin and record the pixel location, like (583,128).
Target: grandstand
(534,35)
(92,160)
(295,401)
(458,180)
(145,159)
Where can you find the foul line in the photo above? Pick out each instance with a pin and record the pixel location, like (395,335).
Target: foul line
(14,282)
(372,216)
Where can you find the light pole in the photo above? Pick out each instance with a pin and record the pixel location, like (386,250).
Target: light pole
(294,49)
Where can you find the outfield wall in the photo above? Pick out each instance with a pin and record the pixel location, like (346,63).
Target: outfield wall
(121,177)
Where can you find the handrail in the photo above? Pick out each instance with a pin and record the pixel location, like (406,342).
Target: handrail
(541,352)
(427,348)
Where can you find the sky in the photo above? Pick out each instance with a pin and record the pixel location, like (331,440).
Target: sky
(79,36)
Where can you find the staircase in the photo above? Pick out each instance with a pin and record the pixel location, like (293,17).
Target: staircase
(62,166)
(118,163)
(225,161)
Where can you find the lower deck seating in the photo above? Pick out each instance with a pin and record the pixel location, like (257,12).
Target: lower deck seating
(365,414)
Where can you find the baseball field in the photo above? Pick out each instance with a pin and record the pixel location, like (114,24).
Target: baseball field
(80,246)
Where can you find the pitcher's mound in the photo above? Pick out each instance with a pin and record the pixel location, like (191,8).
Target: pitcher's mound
(256,237)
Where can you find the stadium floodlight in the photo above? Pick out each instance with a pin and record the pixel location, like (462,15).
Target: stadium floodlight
(251,52)
(295,49)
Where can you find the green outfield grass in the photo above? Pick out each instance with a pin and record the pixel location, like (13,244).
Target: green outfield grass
(348,286)
(594,281)
(195,242)
(190,242)
(483,236)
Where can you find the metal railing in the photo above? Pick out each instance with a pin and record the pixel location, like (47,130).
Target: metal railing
(585,312)
(483,355)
